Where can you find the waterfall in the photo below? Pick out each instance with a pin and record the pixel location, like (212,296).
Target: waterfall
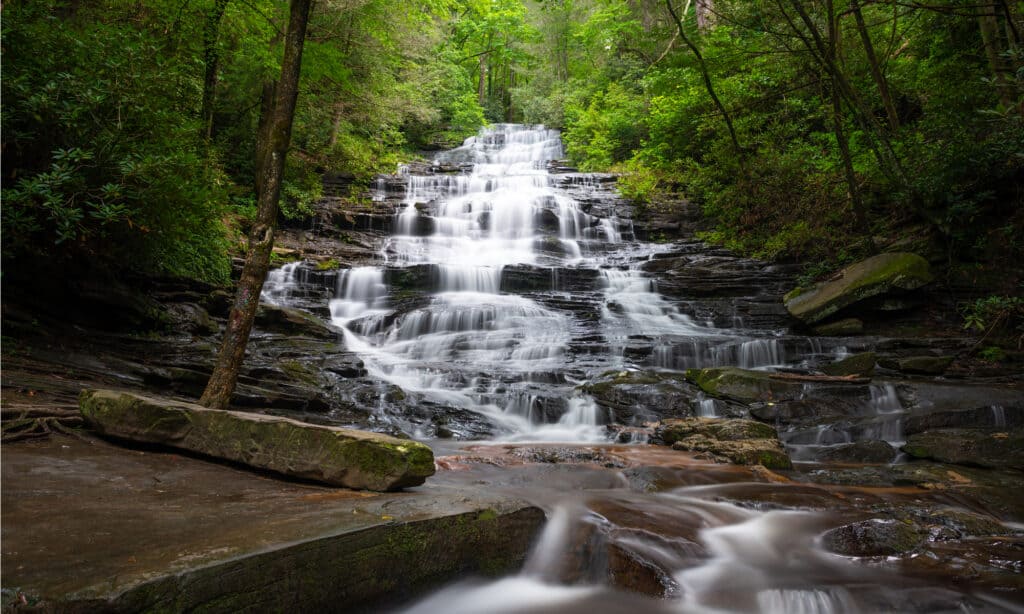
(432,318)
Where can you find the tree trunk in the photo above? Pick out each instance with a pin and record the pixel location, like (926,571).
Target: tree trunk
(211,58)
(481,88)
(263,131)
(1001,71)
(837,126)
(707,81)
(876,71)
(261,238)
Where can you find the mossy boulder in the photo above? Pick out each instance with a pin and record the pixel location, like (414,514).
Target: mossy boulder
(921,365)
(875,276)
(743,442)
(858,364)
(978,448)
(743,384)
(335,456)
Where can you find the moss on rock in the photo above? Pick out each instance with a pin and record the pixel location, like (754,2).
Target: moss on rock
(858,364)
(340,457)
(744,442)
(876,275)
(743,385)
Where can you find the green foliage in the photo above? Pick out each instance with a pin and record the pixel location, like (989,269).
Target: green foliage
(992,353)
(106,157)
(637,182)
(632,98)
(100,152)
(993,313)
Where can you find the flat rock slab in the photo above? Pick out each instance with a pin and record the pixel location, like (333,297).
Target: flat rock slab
(335,456)
(95,527)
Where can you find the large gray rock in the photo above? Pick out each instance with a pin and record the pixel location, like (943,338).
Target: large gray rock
(635,397)
(336,456)
(872,277)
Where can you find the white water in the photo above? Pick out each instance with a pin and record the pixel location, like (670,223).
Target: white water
(470,345)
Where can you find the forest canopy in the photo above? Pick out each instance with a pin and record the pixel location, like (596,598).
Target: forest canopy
(802,128)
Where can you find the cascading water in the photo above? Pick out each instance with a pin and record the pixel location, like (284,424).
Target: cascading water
(476,304)
(475,346)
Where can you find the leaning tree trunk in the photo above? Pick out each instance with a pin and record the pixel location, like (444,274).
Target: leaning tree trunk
(261,238)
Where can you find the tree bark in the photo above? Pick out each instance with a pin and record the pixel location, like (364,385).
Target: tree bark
(876,71)
(707,81)
(261,238)
(1002,73)
(211,58)
(837,126)
(481,88)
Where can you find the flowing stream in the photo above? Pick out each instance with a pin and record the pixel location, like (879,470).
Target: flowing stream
(499,292)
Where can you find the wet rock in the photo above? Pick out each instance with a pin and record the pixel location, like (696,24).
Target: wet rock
(952,523)
(629,571)
(969,447)
(290,321)
(340,457)
(192,318)
(858,364)
(743,442)
(988,417)
(921,365)
(840,328)
(671,431)
(860,452)
(743,384)
(653,478)
(806,410)
(875,276)
(218,303)
(634,397)
(874,538)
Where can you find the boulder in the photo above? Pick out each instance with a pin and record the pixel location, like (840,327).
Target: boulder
(875,276)
(335,456)
(288,321)
(973,447)
(743,442)
(840,328)
(635,397)
(743,385)
(921,365)
(876,452)
(989,416)
(874,538)
(858,364)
